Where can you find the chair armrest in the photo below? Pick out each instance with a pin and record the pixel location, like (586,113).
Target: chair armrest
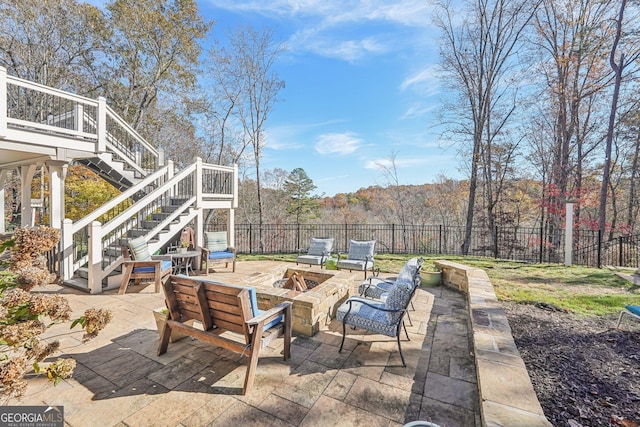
(161,257)
(370,285)
(231,249)
(300,251)
(269,314)
(339,255)
(203,251)
(152,263)
(366,302)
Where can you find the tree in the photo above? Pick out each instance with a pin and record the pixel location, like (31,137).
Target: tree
(51,42)
(477,57)
(257,53)
(85,191)
(302,204)
(569,53)
(153,49)
(618,68)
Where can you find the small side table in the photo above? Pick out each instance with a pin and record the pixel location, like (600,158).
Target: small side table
(183,261)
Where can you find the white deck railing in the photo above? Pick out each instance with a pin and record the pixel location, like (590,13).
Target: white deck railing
(93,241)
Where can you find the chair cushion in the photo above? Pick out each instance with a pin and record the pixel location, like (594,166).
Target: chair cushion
(411,268)
(319,247)
(309,259)
(349,264)
(361,250)
(139,249)
(368,317)
(216,241)
(221,255)
(398,298)
(164,265)
(635,309)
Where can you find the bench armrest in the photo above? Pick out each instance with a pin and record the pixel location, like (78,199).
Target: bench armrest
(270,314)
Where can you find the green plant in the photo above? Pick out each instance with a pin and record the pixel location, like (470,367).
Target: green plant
(24,315)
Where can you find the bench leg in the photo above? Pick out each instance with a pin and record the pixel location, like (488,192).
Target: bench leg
(254,353)
(126,276)
(164,339)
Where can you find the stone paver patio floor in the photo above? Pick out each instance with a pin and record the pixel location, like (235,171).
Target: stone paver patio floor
(120,381)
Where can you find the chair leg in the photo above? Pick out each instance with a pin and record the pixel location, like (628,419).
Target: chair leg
(400,350)
(344,332)
(157,279)
(126,276)
(620,318)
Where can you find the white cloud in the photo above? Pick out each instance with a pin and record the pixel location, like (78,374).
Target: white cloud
(333,28)
(426,81)
(338,143)
(348,50)
(331,12)
(400,163)
(417,110)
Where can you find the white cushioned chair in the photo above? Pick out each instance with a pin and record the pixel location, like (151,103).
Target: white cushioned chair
(360,257)
(318,252)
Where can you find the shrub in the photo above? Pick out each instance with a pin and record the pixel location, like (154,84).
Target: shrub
(24,315)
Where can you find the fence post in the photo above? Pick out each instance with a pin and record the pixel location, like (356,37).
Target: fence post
(440,239)
(541,242)
(620,250)
(250,239)
(393,238)
(599,248)
(495,242)
(346,238)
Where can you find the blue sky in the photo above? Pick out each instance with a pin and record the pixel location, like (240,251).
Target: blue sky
(361,85)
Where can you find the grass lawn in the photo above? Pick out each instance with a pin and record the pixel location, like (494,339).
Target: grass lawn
(581,290)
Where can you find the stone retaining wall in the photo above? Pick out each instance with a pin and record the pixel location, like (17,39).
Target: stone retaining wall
(507,397)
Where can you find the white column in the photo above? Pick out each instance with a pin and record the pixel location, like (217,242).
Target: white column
(101,125)
(3,179)
(68,254)
(3,102)
(57,175)
(231,228)
(198,182)
(568,240)
(95,258)
(26,178)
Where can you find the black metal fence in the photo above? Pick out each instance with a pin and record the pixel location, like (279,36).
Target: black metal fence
(523,244)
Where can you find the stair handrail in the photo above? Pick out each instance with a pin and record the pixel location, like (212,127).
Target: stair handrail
(143,203)
(143,144)
(93,216)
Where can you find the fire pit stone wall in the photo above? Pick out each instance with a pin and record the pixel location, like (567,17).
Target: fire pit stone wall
(312,309)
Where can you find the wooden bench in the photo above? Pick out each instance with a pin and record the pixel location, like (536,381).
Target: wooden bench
(222,308)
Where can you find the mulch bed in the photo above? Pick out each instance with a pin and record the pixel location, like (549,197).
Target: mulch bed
(584,371)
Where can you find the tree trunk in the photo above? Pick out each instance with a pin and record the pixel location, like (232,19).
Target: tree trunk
(617,68)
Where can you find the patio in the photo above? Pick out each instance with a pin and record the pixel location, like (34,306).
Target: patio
(119,380)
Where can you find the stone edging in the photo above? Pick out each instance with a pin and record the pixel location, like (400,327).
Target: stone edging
(507,397)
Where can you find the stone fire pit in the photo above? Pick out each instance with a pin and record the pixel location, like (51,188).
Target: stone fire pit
(311,309)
